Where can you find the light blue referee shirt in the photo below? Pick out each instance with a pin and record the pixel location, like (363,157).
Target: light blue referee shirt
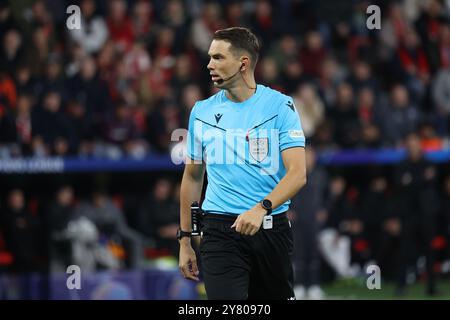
(241,144)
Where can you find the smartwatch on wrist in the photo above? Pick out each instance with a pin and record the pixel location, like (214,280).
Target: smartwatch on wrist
(267,205)
(181,234)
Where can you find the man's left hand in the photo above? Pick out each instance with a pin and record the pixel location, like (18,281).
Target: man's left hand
(249,222)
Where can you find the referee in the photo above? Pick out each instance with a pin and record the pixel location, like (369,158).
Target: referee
(249,139)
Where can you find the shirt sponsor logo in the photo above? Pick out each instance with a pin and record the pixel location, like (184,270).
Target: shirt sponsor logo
(296,134)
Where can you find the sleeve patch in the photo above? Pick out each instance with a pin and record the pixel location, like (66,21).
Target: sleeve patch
(296,134)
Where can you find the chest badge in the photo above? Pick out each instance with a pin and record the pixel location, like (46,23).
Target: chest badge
(259,148)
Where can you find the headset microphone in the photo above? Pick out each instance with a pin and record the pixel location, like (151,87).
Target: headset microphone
(223,80)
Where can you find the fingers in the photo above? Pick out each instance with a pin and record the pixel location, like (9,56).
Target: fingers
(239,226)
(190,270)
(245,228)
(242,226)
(236,223)
(194,269)
(254,231)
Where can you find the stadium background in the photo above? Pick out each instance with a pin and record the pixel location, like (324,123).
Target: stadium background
(86,118)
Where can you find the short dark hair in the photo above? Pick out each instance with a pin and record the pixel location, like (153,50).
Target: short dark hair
(240,39)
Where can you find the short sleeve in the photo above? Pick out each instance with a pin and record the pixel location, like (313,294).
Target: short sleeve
(289,125)
(194,138)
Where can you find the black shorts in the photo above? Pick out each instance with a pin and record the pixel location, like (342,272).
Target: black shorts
(239,267)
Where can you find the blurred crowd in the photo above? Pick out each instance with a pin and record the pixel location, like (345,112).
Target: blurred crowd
(123,82)
(97,230)
(396,218)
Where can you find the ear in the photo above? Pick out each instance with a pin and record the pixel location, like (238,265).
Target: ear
(244,63)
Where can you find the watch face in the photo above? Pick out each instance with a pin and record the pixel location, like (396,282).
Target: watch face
(267,204)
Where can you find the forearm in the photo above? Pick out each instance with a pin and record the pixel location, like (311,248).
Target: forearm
(191,188)
(291,183)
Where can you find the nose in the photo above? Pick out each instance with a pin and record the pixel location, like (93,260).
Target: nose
(210,65)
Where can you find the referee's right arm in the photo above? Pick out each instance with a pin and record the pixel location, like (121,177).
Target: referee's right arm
(191,188)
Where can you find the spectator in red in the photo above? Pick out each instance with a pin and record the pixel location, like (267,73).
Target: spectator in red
(263,22)
(412,65)
(429,140)
(136,61)
(369,118)
(106,60)
(119,25)
(143,15)
(8,95)
(164,50)
(312,53)
(412,57)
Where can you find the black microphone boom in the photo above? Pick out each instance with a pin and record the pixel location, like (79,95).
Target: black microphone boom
(222,80)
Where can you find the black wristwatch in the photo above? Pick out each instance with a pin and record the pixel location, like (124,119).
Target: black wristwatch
(267,205)
(181,234)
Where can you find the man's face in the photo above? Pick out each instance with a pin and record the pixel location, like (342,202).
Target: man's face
(222,64)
